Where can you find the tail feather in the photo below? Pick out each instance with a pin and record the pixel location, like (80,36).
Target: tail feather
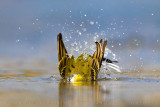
(114,67)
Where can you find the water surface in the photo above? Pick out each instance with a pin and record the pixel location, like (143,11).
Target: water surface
(32,86)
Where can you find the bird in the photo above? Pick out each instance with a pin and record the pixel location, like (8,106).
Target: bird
(84,67)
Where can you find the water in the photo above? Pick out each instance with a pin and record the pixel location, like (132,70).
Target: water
(31,85)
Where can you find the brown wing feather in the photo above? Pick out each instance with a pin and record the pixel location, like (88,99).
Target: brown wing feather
(97,59)
(96,62)
(62,56)
(94,69)
(61,47)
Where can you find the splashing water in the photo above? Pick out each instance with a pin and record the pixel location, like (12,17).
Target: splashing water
(80,38)
(108,68)
(87,45)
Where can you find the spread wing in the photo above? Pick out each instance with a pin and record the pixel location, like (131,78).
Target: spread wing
(94,69)
(97,59)
(98,53)
(61,47)
(62,56)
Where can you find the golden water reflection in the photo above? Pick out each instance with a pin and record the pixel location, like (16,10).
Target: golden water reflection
(81,94)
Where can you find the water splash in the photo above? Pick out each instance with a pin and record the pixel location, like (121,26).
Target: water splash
(85,44)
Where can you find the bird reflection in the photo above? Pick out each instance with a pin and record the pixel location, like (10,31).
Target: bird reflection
(80,94)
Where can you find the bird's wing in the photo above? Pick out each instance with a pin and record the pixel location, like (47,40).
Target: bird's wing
(62,56)
(96,60)
(98,54)
(62,52)
(94,69)
(65,66)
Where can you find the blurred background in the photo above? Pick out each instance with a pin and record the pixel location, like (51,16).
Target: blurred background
(29,28)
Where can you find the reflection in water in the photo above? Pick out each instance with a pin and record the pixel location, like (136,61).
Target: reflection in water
(80,94)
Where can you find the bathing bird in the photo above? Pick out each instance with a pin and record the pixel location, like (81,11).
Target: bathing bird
(85,66)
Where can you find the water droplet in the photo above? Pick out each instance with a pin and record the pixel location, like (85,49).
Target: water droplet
(157,40)
(140,58)
(79,33)
(85,42)
(66,40)
(107,50)
(17,40)
(91,22)
(153,50)
(76,49)
(95,37)
(84,29)
(114,56)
